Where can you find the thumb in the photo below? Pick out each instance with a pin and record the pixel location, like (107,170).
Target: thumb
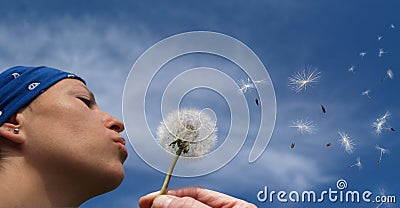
(168,201)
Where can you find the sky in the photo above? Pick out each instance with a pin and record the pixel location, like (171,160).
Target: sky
(102,40)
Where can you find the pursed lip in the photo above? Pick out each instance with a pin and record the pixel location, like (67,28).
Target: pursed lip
(119,140)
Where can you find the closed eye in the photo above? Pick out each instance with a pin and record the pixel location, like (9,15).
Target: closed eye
(87,102)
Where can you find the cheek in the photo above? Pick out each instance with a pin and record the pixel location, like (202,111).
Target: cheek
(63,130)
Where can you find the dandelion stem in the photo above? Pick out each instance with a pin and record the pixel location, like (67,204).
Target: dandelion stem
(171,168)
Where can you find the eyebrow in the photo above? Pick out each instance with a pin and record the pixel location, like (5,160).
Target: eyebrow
(91,95)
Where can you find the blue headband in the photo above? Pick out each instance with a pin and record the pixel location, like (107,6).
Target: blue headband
(20,85)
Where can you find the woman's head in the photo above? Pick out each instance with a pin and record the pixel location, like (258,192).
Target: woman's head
(62,133)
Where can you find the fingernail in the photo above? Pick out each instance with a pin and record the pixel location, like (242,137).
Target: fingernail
(162,201)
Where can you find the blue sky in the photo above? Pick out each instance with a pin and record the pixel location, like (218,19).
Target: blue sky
(101,40)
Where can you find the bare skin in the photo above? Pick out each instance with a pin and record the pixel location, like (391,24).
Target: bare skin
(67,150)
(194,197)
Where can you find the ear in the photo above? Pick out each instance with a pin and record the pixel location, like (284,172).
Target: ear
(11,130)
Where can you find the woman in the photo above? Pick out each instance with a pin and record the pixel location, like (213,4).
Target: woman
(58,148)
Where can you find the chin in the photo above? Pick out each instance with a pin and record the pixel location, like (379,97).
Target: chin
(118,176)
(109,180)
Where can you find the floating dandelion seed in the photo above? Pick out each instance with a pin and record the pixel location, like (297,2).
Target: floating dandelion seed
(358,164)
(259,81)
(188,131)
(392,26)
(304,126)
(292,145)
(382,193)
(245,85)
(381,52)
(248,84)
(302,79)
(362,54)
(323,108)
(346,142)
(382,151)
(380,124)
(379,37)
(351,69)
(390,74)
(366,93)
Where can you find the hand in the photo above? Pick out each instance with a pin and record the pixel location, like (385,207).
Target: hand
(192,197)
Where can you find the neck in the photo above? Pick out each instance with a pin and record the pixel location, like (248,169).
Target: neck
(23,186)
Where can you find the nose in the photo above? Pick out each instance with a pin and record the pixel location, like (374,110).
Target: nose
(113,123)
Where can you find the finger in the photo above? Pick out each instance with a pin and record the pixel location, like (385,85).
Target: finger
(147,201)
(167,201)
(209,197)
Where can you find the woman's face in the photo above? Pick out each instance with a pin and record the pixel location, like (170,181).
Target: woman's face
(69,139)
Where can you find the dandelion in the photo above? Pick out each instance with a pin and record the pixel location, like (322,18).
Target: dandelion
(381,52)
(358,164)
(380,124)
(382,151)
(304,126)
(187,131)
(302,79)
(366,93)
(346,142)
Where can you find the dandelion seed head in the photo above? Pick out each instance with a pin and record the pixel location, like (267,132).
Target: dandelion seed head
(346,142)
(302,79)
(196,127)
(304,126)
